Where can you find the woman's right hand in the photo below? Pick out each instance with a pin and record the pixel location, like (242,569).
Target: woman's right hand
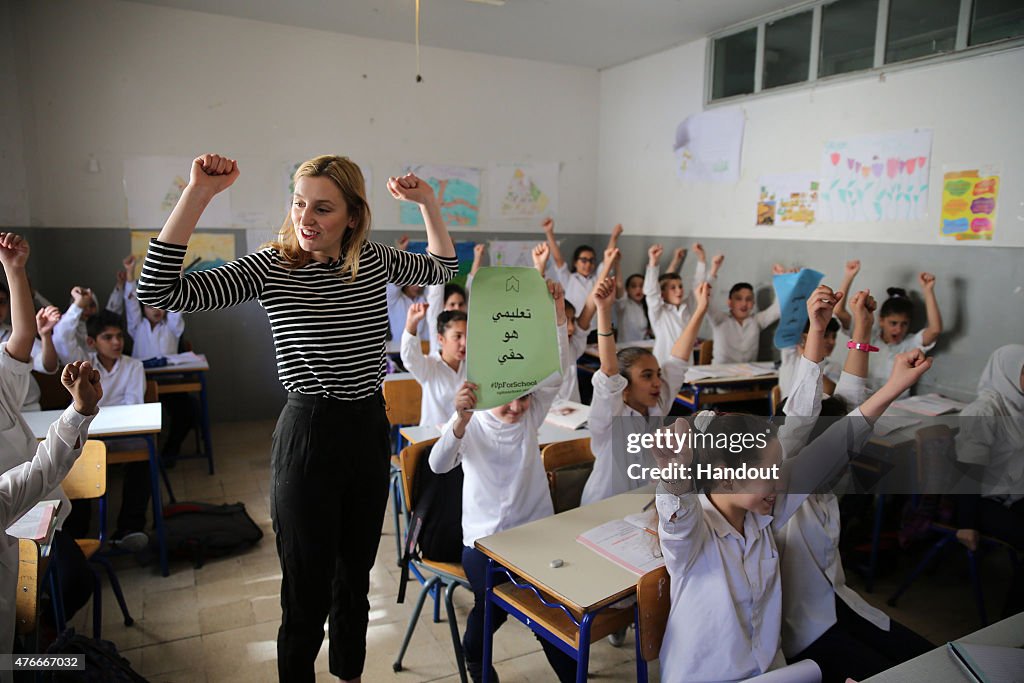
(213,173)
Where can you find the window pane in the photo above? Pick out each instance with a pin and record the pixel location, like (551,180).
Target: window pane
(847,36)
(918,28)
(787,50)
(996,20)
(734,64)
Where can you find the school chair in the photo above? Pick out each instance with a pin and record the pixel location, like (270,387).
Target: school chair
(425,347)
(705,354)
(774,400)
(935,446)
(120,457)
(568,465)
(652,607)
(87,481)
(402,399)
(52,394)
(26,606)
(447,575)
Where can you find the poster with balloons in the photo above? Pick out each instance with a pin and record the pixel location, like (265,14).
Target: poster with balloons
(870,178)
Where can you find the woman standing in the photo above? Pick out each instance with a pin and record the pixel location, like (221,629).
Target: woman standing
(323,287)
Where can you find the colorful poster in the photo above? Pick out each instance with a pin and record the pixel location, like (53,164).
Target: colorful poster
(512,343)
(511,252)
(152,186)
(205,249)
(876,178)
(457,189)
(969,204)
(522,190)
(463,250)
(787,200)
(792,290)
(708,146)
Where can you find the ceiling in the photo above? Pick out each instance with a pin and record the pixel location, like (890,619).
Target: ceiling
(590,33)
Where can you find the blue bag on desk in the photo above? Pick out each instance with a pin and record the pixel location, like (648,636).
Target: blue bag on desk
(201,530)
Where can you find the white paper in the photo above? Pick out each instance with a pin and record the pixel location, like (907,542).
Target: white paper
(708,146)
(804,671)
(152,186)
(729,371)
(527,190)
(632,548)
(37,523)
(568,414)
(876,177)
(929,404)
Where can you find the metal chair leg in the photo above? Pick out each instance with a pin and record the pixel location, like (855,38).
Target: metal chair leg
(115,586)
(413,618)
(921,566)
(453,626)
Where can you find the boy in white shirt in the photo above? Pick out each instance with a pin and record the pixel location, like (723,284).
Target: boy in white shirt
(44,353)
(668,307)
(791,358)
(440,376)
(69,335)
(737,332)
(124,382)
(504,487)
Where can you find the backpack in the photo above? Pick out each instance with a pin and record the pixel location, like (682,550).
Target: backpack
(103,662)
(435,523)
(201,530)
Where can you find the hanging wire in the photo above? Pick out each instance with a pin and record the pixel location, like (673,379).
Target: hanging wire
(419,76)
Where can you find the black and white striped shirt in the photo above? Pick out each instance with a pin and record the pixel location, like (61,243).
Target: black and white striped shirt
(329,333)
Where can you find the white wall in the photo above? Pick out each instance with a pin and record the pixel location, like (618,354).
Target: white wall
(119,80)
(14,205)
(972,105)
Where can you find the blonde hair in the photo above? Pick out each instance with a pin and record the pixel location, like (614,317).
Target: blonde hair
(347,177)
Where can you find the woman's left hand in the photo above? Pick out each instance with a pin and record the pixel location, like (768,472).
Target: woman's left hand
(411,189)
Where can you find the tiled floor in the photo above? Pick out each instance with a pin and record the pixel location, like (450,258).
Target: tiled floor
(219,623)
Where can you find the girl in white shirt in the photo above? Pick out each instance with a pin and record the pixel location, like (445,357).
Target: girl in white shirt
(824,620)
(504,486)
(631,311)
(891,336)
(990,443)
(668,307)
(737,331)
(580,278)
(441,298)
(439,375)
(726,615)
(630,387)
(155,332)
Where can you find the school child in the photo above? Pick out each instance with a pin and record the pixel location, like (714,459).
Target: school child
(156,332)
(737,332)
(24,485)
(989,444)
(668,308)
(124,383)
(69,334)
(504,486)
(824,619)
(577,321)
(632,385)
(579,279)
(44,353)
(718,538)
(400,299)
(439,375)
(631,311)
(791,356)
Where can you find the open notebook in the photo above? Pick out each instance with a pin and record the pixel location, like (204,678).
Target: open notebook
(989,663)
(631,542)
(37,524)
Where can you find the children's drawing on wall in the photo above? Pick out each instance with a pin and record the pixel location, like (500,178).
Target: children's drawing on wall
(881,177)
(708,145)
(458,193)
(206,250)
(969,204)
(522,190)
(787,199)
(152,186)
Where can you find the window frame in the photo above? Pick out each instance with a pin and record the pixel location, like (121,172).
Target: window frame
(961,50)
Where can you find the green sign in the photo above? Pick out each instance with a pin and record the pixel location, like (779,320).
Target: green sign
(511,340)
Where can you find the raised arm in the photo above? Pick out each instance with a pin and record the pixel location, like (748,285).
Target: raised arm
(411,351)
(819,311)
(652,290)
(544,395)
(934,329)
(132,312)
(14,255)
(683,346)
(540,257)
(849,272)
(613,240)
(907,369)
(444,456)
(46,320)
(678,258)
(604,294)
(210,175)
(852,384)
(549,234)
(478,259)
(409,188)
(611,260)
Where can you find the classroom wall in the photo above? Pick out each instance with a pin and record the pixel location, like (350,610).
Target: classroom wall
(980,287)
(14,209)
(119,80)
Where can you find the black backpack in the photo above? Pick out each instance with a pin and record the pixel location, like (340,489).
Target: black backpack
(103,662)
(435,523)
(201,530)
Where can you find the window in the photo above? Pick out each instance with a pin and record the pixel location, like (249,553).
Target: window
(787,50)
(918,28)
(734,64)
(847,36)
(994,20)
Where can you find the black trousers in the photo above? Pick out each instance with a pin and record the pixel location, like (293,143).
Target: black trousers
(855,648)
(328,492)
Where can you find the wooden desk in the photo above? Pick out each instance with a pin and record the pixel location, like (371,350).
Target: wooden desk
(937,665)
(694,393)
(195,382)
(140,420)
(547,434)
(571,606)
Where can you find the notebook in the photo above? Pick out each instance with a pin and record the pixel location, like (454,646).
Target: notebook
(929,404)
(37,524)
(632,542)
(568,414)
(989,663)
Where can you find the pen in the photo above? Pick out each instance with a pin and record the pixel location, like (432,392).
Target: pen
(649,504)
